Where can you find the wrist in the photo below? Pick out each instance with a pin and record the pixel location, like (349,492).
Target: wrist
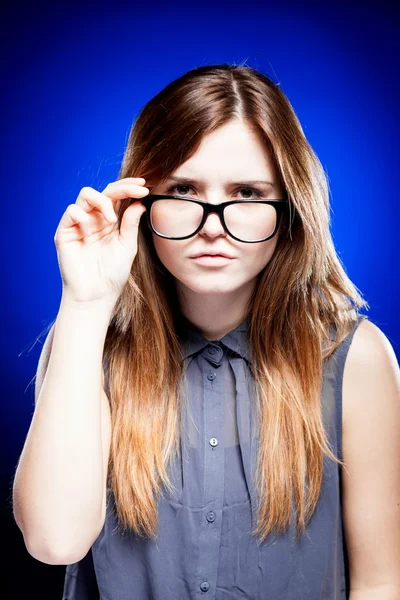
(103,306)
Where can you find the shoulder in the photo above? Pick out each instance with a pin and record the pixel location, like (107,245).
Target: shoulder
(371,377)
(371,373)
(370,342)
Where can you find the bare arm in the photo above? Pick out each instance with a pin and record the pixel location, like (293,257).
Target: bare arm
(59,491)
(371,449)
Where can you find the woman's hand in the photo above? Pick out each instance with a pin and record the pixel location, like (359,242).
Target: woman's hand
(94,256)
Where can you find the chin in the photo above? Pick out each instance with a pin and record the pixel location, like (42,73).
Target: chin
(210,285)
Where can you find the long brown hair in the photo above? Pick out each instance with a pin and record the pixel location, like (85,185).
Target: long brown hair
(301,293)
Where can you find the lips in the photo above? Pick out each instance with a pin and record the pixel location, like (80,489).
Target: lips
(223,254)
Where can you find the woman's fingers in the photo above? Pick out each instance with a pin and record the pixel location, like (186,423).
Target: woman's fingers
(90,202)
(123,188)
(73,215)
(89,198)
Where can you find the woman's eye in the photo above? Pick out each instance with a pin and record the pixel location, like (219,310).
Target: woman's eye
(246,190)
(176,187)
(257,193)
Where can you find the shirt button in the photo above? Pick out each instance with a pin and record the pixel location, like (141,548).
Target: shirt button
(211,516)
(213,441)
(204,586)
(212,349)
(211,375)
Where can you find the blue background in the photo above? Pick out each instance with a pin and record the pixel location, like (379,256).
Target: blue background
(75,76)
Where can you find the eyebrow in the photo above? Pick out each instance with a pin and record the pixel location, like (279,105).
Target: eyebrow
(188,181)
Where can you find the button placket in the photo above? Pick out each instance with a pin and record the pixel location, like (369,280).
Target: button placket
(214,467)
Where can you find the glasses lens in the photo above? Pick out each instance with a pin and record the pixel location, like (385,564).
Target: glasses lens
(248,221)
(175,218)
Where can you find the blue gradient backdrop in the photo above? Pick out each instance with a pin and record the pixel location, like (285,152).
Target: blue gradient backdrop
(75,77)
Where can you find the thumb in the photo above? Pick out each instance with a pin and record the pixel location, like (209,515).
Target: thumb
(130,222)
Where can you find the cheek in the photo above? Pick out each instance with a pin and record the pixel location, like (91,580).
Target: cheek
(259,255)
(169,252)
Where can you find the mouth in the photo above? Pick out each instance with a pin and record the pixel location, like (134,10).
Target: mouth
(212,259)
(220,254)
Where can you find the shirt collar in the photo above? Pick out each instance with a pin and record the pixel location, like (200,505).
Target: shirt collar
(235,341)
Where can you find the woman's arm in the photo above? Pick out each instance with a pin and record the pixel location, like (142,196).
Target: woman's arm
(371,450)
(59,491)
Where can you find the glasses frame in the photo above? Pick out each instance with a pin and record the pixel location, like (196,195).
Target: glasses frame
(278,204)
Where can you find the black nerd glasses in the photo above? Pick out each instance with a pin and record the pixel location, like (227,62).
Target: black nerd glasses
(179,218)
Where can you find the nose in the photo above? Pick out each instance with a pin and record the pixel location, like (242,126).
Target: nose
(212,227)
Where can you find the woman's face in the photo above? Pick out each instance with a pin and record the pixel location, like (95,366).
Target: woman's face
(233,153)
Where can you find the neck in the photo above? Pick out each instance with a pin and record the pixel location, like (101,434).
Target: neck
(214,315)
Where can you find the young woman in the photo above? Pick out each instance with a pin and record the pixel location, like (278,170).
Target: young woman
(247,410)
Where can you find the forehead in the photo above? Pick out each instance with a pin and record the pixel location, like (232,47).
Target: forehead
(231,153)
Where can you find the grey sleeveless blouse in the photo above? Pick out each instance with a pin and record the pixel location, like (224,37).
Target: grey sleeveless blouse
(204,548)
